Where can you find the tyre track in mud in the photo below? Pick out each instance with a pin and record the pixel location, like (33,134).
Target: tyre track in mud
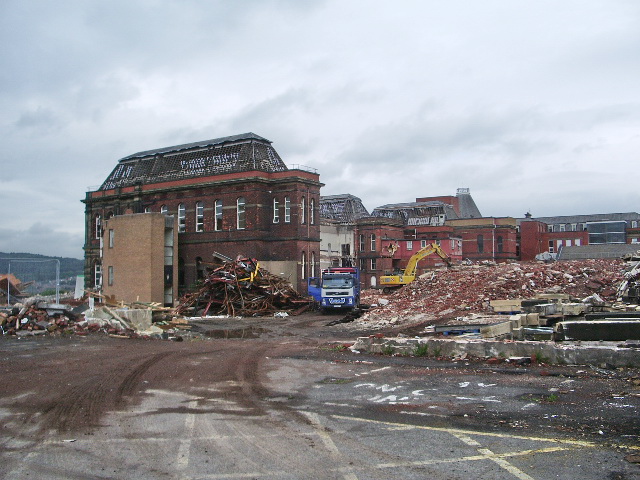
(81,406)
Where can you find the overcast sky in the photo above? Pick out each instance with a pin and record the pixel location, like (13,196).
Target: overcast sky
(533,105)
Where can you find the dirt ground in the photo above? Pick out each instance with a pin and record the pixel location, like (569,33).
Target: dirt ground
(58,384)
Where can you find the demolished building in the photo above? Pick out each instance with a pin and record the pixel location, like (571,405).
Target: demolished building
(232,195)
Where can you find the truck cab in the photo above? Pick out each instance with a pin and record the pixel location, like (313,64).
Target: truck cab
(339,288)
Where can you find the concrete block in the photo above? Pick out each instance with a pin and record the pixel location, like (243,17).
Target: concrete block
(573,309)
(606,330)
(496,330)
(506,306)
(545,309)
(533,319)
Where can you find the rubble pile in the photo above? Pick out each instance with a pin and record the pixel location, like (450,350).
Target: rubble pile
(242,288)
(468,289)
(35,318)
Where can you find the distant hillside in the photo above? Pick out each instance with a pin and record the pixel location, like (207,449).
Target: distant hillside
(38,270)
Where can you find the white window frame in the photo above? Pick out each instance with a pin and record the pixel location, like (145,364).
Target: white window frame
(111,238)
(373,242)
(241,213)
(182,218)
(409,244)
(313,264)
(303,206)
(276,211)
(97,274)
(287,210)
(217,225)
(374,264)
(110,275)
(164,209)
(312,211)
(303,265)
(98,226)
(423,243)
(361,242)
(199,217)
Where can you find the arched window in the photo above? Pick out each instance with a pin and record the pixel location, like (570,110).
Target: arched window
(313,264)
(241,220)
(303,265)
(199,217)
(287,210)
(182,218)
(218,214)
(164,210)
(312,212)
(303,207)
(276,211)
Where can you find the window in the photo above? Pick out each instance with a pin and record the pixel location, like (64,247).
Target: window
(578,242)
(287,210)
(164,210)
(276,211)
(147,209)
(423,243)
(312,211)
(182,218)
(568,242)
(562,227)
(98,226)
(241,220)
(199,217)
(581,227)
(373,242)
(303,265)
(574,226)
(303,207)
(374,263)
(218,213)
(97,275)
(361,241)
(549,228)
(634,224)
(635,240)
(346,249)
(329,248)
(480,241)
(361,261)
(499,245)
(111,238)
(313,264)
(409,244)
(110,275)
(551,249)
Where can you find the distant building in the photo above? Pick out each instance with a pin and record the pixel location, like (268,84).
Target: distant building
(232,195)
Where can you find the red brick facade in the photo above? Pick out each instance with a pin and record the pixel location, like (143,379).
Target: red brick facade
(291,236)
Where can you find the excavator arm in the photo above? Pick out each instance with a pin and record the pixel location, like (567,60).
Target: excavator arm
(425,252)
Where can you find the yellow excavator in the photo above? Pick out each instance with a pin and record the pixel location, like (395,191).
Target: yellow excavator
(399,279)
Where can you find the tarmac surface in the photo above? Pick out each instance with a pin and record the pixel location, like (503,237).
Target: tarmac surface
(281,398)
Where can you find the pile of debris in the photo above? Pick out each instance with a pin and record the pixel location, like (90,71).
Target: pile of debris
(39,317)
(469,289)
(242,288)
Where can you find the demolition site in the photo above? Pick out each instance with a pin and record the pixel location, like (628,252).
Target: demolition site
(232,322)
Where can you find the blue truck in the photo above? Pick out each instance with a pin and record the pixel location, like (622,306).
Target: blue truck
(337,288)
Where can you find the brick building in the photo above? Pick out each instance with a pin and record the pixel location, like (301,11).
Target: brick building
(139,258)
(231,195)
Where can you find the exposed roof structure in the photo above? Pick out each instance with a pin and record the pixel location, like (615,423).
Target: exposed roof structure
(597,217)
(237,153)
(342,208)
(417,213)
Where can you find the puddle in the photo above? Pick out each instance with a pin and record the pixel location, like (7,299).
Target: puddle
(248,332)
